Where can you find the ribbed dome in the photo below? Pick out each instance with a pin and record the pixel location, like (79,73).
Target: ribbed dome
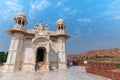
(21,14)
(60,21)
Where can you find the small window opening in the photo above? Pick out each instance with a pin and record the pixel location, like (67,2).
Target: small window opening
(19,22)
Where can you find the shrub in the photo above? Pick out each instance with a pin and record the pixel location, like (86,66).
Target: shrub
(118,65)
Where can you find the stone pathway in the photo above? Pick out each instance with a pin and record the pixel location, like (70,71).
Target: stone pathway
(73,73)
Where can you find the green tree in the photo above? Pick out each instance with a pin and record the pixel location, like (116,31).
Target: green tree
(2,56)
(5,56)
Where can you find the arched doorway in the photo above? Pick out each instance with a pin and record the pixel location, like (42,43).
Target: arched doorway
(40,57)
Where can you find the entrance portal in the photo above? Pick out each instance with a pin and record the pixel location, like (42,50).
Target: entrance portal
(40,58)
(40,54)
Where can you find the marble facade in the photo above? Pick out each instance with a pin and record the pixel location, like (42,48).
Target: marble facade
(37,49)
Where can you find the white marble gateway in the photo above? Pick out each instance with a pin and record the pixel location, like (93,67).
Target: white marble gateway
(37,49)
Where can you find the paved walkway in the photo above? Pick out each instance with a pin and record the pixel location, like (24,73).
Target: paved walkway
(73,73)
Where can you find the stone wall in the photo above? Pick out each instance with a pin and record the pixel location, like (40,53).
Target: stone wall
(108,70)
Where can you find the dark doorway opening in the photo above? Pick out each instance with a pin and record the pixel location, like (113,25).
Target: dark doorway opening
(40,55)
(40,58)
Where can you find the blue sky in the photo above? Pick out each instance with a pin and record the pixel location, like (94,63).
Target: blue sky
(92,24)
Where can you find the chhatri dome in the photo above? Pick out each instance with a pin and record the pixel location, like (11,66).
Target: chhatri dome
(60,21)
(21,18)
(21,14)
(60,24)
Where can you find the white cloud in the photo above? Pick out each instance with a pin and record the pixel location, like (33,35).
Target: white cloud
(66,9)
(38,6)
(117,17)
(115,3)
(84,20)
(11,9)
(73,12)
(76,36)
(59,3)
(70,11)
(112,9)
(14,6)
(6,14)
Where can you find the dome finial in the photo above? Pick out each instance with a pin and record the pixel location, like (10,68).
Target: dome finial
(41,21)
(23,11)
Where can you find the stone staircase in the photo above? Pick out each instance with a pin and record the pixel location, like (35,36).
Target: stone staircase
(41,67)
